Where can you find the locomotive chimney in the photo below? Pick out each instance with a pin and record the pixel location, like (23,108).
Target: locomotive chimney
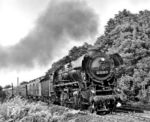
(17,81)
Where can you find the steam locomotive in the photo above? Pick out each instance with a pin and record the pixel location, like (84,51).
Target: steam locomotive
(86,83)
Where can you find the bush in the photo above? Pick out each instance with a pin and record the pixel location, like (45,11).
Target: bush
(18,109)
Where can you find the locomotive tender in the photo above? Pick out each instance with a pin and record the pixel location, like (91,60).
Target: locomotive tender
(88,82)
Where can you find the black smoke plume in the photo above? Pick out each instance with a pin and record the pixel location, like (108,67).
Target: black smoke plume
(61,22)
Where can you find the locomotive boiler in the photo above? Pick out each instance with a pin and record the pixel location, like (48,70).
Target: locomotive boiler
(88,82)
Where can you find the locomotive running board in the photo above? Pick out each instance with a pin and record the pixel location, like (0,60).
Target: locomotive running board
(66,84)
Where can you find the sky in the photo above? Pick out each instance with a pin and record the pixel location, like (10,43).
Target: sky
(35,33)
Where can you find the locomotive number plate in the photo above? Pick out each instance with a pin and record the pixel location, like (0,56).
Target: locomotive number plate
(101,72)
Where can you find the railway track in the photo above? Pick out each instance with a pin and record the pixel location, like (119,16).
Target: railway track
(135,117)
(129,112)
(122,116)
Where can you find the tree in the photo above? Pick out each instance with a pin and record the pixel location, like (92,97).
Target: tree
(2,94)
(129,35)
(1,88)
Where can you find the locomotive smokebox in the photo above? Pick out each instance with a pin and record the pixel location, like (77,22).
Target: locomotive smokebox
(99,66)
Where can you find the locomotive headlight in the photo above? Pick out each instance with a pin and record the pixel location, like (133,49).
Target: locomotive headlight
(93,91)
(118,104)
(102,59)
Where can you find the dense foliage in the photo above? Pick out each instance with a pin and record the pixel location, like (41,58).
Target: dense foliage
(129,35)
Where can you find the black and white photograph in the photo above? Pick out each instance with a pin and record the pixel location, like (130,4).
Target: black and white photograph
(74,60)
